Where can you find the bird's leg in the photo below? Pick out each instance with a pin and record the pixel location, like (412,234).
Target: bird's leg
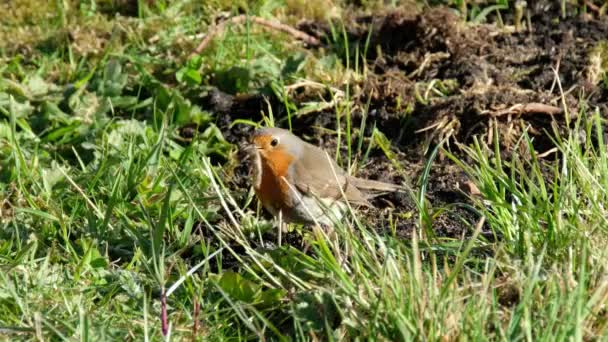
(280,227)
(329,231)
(306,244)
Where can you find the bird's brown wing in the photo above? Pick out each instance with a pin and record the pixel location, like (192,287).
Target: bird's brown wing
(312,174)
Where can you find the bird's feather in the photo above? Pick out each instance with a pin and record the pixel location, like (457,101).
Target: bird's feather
(312,174)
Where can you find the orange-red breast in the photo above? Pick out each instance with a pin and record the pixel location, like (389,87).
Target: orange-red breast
(297,180)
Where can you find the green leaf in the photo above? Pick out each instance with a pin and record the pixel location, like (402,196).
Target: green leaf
(233,80)
(484,13)
(293,64)
(193,76)
(51,176)
(272,297)
(37,86)
(195,62)
(39,213)
(113,79)
(14,88)
(5,130)
(265,69)
(113,70)
(315,311)
(385,145)
(123,101)
(238,287)
(62,133)
(20,109)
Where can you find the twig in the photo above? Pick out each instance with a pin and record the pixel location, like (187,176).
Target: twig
(197,309)
(548,152)
(528,108)
(239,19)
(592,6)
(557,64)
(163,314)
(428,59)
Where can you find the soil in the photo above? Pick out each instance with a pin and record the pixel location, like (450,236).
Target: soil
(484,69)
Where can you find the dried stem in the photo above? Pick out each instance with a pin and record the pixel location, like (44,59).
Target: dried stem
(272,24)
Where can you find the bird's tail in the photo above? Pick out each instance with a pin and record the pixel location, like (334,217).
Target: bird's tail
(372,185)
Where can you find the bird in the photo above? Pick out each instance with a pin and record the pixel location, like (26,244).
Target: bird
(298,182)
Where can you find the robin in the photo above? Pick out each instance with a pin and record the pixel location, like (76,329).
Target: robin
(299,183)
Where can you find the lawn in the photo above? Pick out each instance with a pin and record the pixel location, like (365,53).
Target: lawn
(126,205)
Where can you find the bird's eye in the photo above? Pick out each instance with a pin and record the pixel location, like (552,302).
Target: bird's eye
(274,142)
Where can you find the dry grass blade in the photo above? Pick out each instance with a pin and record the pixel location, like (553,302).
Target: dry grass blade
(528,108)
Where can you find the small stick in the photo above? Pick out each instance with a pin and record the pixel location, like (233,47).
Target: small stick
(197,309)
(163,313)
(548,152)
(280,226)
(592,6)
(239,19)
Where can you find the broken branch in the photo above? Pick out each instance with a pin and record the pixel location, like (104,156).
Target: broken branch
(274,25)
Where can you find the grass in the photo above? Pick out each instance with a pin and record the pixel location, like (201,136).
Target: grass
(115,226)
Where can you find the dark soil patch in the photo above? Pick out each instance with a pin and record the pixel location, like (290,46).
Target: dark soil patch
(478,73)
